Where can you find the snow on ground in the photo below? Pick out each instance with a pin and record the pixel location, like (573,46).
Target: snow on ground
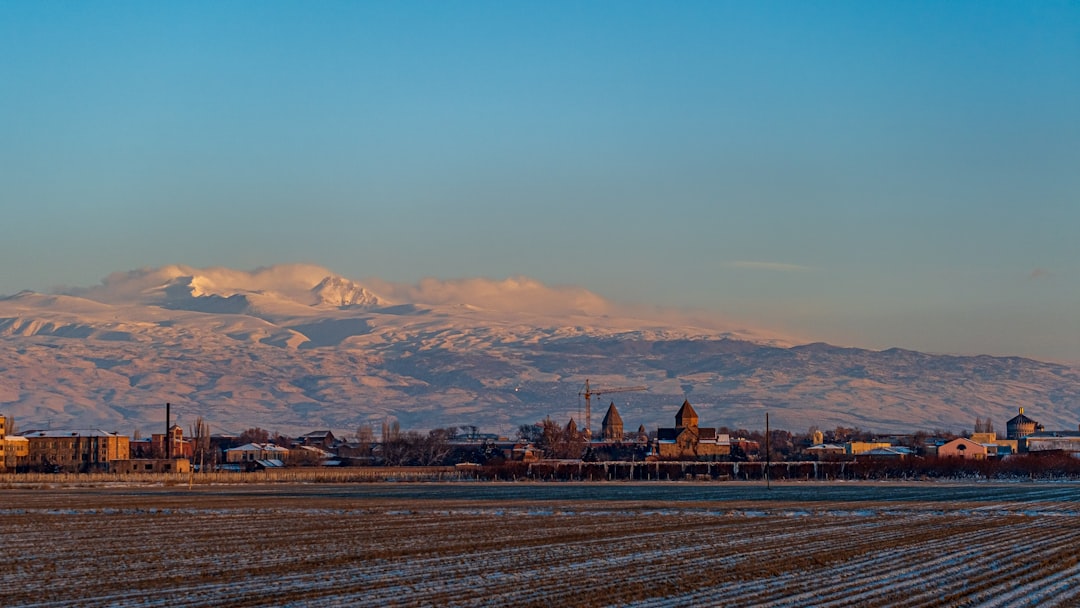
(472,544)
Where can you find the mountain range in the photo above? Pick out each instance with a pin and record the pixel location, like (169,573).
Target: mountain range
(294,348)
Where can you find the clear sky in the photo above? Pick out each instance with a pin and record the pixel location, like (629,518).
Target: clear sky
(872,174)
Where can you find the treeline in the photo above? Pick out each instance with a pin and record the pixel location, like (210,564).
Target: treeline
(1046,467)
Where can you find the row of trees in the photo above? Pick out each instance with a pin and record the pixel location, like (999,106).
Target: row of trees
(1045,466)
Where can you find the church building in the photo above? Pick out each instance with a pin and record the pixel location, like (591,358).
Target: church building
(688,441)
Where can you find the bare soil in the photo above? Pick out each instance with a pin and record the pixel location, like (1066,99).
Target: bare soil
(542,544)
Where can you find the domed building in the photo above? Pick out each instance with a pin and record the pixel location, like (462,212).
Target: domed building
(1021,426)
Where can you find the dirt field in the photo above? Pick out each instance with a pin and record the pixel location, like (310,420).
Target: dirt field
(543,544)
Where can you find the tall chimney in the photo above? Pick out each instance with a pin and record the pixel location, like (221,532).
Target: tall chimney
(168,443)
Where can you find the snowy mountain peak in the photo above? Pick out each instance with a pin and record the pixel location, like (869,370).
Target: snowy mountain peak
(341,292)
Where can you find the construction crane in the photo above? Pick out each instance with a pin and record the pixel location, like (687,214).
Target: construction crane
(588,393)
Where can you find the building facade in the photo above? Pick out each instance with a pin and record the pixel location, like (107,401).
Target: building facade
(253,452)
(75,451)
(962,448)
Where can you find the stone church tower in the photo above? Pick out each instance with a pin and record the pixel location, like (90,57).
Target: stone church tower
(686,417)
(612,426)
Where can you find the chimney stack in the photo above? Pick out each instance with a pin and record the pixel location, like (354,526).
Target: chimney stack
(168,442)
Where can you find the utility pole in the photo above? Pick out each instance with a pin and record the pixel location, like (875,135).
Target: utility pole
(768,452)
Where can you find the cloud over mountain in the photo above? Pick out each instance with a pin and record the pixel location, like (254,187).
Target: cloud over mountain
(160,285)
(514,294)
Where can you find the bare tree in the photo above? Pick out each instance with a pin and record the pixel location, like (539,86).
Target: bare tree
(533,433)
(365,440)
(365,434)
(401,448)
(435,448)
(984,426)
(390,430)
(200,441)
(254,435)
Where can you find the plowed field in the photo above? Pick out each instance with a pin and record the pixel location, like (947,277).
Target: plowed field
(472,544)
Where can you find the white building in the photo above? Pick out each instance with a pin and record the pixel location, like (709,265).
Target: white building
(254,452)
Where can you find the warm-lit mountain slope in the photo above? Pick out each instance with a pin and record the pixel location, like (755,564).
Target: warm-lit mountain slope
(296,348)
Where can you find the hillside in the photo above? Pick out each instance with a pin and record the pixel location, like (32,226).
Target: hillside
(295,348)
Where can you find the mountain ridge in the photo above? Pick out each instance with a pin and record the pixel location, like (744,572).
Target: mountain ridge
(296,347)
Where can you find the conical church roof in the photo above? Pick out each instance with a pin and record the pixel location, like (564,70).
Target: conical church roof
(686,416)
(612,416)
(571,427)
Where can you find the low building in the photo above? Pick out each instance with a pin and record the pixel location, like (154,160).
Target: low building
(995,448)
(854,448)
(153,465)
(78,450)
(893,452)
(309,454)
(157,446)
(825,451)
(1041,442)
(318,439)
(14,453)
(962,448)
(252,452)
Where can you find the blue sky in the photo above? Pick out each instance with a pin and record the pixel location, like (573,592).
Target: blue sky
(867,173)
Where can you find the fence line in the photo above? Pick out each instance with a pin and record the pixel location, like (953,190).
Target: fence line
(349,475)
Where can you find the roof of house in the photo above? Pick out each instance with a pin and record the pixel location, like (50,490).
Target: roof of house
(258,447)
(1049,434)
(826,447)
(667,434)
(962,440)
(896,450)
(321,453)
(317,435)
(58,433)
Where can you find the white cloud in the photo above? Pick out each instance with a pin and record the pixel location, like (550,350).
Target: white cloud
(514,294)
(294,282)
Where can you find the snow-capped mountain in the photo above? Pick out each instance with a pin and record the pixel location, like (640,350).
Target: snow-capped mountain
(295,347)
